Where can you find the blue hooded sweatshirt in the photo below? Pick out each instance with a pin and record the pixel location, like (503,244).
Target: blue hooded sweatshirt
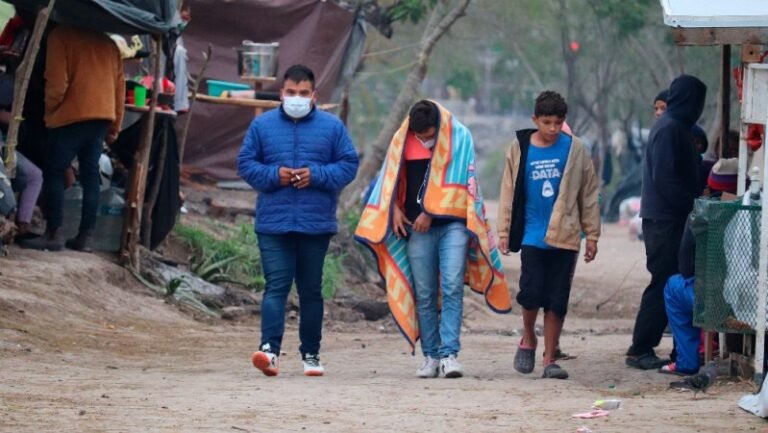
(671,166)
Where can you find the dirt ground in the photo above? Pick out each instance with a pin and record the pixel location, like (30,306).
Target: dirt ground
(85,348)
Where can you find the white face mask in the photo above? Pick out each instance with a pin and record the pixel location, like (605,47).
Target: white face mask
(297,106)
(429,144)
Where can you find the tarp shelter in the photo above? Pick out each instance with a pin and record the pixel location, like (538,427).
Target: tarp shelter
(739,22)
(316,33)
(156,17)
(114,16)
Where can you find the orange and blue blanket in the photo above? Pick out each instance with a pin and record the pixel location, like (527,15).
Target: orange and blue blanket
(452,192)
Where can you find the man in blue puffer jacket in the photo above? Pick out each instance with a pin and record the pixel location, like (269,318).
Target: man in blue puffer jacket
(298,158)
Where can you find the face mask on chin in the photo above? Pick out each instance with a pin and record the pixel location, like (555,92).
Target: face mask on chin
(297,106)
(429,144)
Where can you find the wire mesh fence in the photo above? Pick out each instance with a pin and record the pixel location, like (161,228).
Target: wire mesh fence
(727,257)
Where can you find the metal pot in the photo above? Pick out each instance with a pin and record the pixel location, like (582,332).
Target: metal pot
(257,60)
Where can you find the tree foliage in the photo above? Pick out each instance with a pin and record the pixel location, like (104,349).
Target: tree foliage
(505,52)
(410,10)
(626,16)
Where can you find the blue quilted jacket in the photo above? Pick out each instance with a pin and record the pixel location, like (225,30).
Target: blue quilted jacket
(318,141)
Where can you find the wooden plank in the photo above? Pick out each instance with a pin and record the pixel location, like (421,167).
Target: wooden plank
(751,53)
(259,79)
(720,36)
(145,109)
(252,103)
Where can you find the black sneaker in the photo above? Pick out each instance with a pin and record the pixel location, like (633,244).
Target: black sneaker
(312,366)
(649,361)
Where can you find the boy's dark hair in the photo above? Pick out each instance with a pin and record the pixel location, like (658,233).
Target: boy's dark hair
(299,73)
(423,115)
(550,103)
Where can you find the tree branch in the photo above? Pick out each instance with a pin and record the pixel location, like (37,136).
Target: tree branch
(438,24)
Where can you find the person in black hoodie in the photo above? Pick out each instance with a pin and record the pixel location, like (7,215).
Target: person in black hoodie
(670,185)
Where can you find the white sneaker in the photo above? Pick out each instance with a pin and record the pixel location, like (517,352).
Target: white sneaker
(429,368)
(312,366)
(265,360)
(451,367)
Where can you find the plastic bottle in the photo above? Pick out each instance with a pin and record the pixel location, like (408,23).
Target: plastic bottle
(754,186)
(607,404)
(109,224)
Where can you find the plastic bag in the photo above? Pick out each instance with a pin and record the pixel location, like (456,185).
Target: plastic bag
(756,404)
(739,288)
(628,209)
(7,198)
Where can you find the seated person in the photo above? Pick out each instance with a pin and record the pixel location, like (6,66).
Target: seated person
(679,293)
(705,164)
(28,183)
(723,177)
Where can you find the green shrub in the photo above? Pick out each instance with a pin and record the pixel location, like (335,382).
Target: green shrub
(333,274)
(234,259)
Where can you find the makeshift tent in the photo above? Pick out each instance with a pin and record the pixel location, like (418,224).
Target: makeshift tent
(156,17)
(114,16)
(320,34)
(743,22)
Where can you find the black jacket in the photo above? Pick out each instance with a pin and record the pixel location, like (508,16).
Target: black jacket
(517,223)
(670,167)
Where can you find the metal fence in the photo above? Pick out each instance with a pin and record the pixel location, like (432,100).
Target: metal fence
(727,256)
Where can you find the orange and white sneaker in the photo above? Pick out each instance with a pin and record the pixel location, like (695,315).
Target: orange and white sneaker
(265,360)
(312,366)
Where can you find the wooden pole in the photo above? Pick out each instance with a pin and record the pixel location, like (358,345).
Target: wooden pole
(154,191)
(129,253)
(762,280)
(183,142)
(21,84)
(725,97)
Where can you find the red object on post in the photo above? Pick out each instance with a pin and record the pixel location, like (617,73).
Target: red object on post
(755,135)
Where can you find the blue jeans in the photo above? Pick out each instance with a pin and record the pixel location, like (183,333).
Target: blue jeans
(286,258)
(679,299)
(84,141)
(439,253)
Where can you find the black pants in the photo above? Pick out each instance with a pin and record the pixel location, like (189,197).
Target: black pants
(662,243)
(545,279)
(84,141)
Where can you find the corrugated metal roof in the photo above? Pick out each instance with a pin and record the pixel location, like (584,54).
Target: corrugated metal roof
(715,13)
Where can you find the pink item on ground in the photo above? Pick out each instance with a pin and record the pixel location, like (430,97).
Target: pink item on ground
(597,413)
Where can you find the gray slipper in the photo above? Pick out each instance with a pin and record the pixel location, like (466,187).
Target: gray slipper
(554,371)
(525,359)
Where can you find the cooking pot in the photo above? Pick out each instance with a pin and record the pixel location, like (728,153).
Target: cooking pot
(257,60)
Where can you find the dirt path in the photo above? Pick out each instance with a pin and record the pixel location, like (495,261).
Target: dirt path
(83,348)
